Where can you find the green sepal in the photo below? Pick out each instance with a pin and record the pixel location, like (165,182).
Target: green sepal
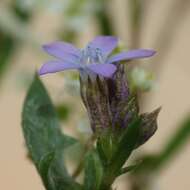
(122,148)
(93,171)
(148,126)
(106,144)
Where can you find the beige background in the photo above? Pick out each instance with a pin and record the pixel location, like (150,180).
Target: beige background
(172,92)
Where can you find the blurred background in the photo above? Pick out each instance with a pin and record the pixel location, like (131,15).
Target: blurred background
(162,81)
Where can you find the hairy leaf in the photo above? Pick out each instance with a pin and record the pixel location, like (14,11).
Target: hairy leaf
(44,139)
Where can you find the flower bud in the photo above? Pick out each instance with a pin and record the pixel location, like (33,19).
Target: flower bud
(111,105)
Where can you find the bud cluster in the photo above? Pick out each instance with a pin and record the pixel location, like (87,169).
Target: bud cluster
(112,106)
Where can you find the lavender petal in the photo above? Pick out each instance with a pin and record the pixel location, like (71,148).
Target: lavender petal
(106,70)
(132,54)
(105,43)
(56,66)
(62,50)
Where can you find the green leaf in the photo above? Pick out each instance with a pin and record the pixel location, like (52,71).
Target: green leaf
(44,139)
(126,145)
(58,176)
(93,171)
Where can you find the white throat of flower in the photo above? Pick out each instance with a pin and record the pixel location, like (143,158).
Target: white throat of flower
(91,55)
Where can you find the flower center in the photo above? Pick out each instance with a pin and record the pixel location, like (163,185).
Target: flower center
(91,55)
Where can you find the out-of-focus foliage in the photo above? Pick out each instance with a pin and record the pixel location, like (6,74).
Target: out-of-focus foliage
(141,79)
(8,42)
(8,45)
(63,111)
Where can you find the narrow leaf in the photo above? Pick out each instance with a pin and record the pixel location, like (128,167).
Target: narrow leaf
(93,171)
(126,145)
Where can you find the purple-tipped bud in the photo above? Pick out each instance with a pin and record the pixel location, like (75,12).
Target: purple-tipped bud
(111,105)
(148,126)
(94,94)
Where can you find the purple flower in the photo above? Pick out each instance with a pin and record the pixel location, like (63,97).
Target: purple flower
(95,58)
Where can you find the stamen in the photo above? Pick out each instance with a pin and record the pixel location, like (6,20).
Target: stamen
(88,60)
(99,55)
(91,55)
